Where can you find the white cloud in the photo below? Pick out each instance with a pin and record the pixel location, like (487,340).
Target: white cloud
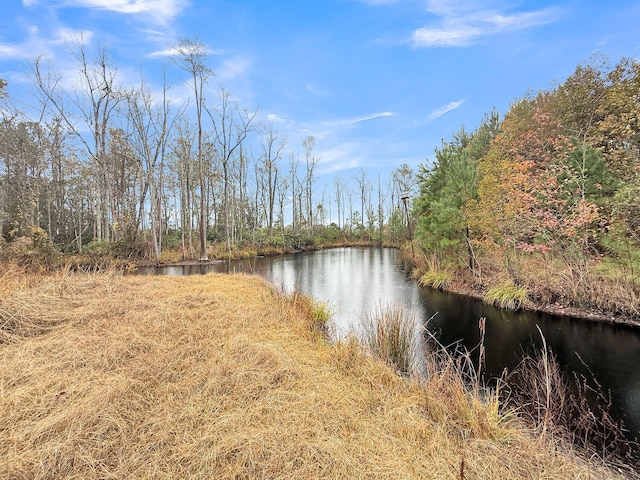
(462,23)
(344,153)
(344,156)
(168,52)
(66,36)
(12,51)
(174,51)
(272,117)
(35,45)
(447,108)
(442,37)
(160,11)
(373,117)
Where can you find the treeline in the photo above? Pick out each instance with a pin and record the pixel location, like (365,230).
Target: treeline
(99,165)
(549,197)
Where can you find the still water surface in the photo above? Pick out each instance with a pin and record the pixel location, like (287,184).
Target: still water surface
(354,280)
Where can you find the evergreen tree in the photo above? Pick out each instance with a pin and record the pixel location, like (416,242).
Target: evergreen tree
(447,188)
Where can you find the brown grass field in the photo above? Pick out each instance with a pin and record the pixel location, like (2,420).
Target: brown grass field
(113,377)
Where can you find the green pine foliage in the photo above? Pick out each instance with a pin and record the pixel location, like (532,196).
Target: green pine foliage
(448,185)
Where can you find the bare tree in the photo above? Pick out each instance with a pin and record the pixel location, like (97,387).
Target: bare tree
(181,166)
(339,192)
(150,125)
(94,101)
(272,148)
(311,161)
(364,186)
(231,126)
(296,187)
(282,188)
(381,199)
(191,57)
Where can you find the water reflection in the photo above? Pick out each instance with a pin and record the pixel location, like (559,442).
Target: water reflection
(353,280)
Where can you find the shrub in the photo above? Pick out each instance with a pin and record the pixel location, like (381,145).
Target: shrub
(34,253)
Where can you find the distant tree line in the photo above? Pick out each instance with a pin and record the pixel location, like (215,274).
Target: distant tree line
(104,164)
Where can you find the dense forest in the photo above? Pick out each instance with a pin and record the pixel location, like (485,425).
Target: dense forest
(545,203)
(92,165)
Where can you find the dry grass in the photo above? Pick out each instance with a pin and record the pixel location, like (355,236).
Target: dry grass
(218,376)
(575,408)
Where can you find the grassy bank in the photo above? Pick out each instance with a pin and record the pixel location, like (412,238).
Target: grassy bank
(220,376)
(598,289)
(37,254)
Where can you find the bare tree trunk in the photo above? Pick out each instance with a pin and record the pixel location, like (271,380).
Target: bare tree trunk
(191,58)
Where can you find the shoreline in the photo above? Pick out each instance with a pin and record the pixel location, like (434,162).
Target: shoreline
(556,309)
(459,287)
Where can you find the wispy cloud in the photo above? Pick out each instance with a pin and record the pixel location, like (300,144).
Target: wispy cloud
(35,44)
(442,110)
(337,148)
(159,11)
(174,51)
(233,67)
(438,112)
(343,156)
(462,23)
(373,116)
(343,122)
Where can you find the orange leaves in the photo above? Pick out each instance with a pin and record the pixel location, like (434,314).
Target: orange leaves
(523,181)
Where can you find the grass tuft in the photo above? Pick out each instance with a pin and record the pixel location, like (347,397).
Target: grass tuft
(576,409)
(391,334)
(436,279)
(507,296)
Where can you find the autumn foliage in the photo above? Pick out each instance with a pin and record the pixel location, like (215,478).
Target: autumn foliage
(553,200)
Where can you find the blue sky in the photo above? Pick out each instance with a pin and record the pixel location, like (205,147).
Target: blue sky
(377,82)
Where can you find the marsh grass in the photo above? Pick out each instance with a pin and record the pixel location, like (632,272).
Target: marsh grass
(391,333)
(317,314)
(436,279)
(507,295)
(217,376)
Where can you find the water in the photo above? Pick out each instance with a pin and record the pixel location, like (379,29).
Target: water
(354,280)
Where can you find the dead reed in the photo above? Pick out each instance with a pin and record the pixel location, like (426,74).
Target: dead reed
(575,409)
